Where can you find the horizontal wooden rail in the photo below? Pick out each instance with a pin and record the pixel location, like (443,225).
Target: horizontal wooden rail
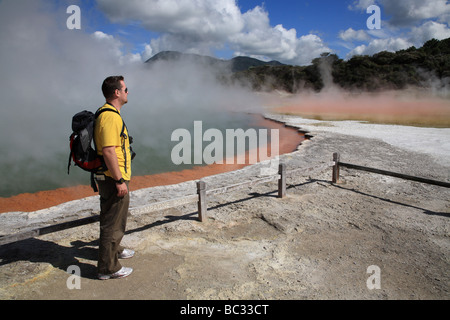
(336,157)
(395,174)
(48,229)
(166,204)
(242,185)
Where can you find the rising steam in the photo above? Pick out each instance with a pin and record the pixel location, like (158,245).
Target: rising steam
(50,73)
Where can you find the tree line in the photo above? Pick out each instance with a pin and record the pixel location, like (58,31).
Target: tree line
(417,67)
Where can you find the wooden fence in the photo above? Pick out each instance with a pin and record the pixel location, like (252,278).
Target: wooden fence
(338,164)
(203,192)
(200,197)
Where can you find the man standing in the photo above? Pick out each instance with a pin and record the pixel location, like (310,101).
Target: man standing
(113,143)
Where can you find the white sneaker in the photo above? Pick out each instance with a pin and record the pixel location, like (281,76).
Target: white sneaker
(126,254)
(122,273)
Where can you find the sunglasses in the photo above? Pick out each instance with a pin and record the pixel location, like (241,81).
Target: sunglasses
(126,90)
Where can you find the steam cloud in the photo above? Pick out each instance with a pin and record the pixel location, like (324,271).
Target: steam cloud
(50,73)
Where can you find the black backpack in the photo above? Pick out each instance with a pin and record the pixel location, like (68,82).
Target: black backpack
(83,154)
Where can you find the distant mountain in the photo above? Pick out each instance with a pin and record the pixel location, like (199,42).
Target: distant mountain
(245,63)
(236,64)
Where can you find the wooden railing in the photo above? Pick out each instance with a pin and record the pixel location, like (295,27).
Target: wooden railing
(200,197)
(338,164)
(203,192)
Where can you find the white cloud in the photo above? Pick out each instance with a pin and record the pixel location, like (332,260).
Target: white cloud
(405,23)
(361,4)
(115,48)
(109,41)
(148,52)
(417,36)
(201,26)
(408,12)
(181,21)
(377,45)
(278,43)
(259,38)
(311,46)
(213,19)
(351,35)
(430,30)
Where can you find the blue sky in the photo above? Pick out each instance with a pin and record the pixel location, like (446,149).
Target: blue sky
(291,31)
(264,29)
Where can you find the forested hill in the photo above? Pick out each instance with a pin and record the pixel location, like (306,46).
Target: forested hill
(234,65)
(424,67)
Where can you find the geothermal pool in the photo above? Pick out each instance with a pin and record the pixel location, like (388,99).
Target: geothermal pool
(147,176)
(153,145)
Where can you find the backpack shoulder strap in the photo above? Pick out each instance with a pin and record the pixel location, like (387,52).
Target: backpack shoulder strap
(100,111)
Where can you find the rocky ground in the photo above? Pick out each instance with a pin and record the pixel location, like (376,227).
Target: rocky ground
(322,241)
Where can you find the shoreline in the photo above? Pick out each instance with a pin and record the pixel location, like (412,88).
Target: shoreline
(290,139)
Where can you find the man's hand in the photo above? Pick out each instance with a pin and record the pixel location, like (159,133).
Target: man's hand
(122,190)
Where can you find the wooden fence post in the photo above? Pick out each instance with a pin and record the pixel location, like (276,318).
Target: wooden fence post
(282,180)
(335,175)
(201,191)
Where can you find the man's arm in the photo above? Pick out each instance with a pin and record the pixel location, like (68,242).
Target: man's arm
(110,156)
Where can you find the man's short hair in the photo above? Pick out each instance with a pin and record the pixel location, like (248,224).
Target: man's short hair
(110,85)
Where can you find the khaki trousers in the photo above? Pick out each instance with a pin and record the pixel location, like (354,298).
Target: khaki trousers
(113,220)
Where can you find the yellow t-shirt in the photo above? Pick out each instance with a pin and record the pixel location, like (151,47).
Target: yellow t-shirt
(108,128)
